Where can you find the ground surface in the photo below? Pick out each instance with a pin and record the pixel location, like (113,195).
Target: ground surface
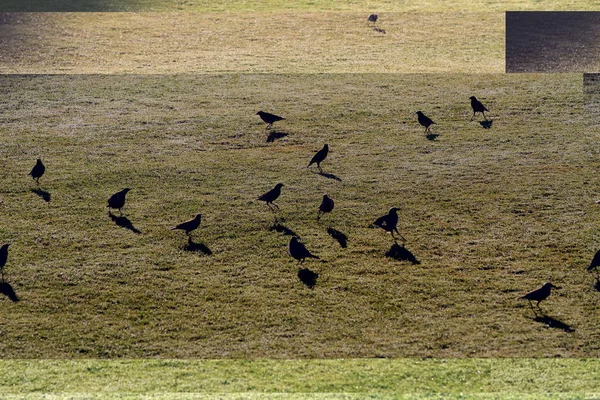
(292,42)
(488,213)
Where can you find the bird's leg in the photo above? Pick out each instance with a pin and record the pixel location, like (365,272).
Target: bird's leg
(269,126)
(319,215)
(483,112)
(320,169)
(473,116)
(401,237)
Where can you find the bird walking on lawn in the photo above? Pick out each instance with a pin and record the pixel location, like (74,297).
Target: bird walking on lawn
(477,107)
(3,258)
(373,18)
(190,225)
(325,207)
(425,121)
(319,157)
(299,251)
(539,294)
(37,171)
(117,200)
(389,223)
(271,196)
(595,262)
(269,118)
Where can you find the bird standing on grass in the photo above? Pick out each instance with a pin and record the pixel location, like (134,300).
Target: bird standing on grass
(425,121)
(319,157)
(190,225)
(373,18)
(117,200)
(3,258)
(271,196)
(539,294)
(37,171)
(299,251)
(595,262)
(269,118)
(389,223)
(477,107)
(325,207)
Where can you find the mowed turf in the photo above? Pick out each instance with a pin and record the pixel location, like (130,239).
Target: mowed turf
(302,5)
(489,214)
(281,42)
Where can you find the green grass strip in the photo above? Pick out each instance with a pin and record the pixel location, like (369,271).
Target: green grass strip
(300,379)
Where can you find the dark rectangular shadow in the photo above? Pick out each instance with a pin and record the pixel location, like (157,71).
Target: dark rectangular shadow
(552,41)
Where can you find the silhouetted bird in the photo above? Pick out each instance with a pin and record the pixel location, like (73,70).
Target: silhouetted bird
(539,294)
(3,258)
(425,121)
(319,157)
(477,107)
(190,225)
(373,18)
(595,262)
(299,251)
(117,200)
(269,118)
(272,195)
(37,171)
(325,207)
(389,222)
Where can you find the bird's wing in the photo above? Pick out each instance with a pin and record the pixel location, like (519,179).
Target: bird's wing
(381,221)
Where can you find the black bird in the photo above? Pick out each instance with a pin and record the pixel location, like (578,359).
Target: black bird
(477,107)
(3,258)
(37,171)
(425,121)
(299,251)
(595,262)
(539,294)
(325,207)
(319,157)
(269,118)
(190,225)
(272,195)
(117,200)
(373,18)
(389,222)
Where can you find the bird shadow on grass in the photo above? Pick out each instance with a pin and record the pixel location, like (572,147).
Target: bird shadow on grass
(379,30)
(553,323)
(7,290)
(432,136)
(279,227)
(341,238)
(308,277)
(401,253)
(44,195)
(197,247)
(123,222)
(330,176)
(487,124)
(273,136)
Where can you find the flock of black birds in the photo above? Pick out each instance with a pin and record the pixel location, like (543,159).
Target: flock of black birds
(297,249)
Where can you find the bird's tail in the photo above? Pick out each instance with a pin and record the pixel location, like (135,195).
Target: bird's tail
(313,256)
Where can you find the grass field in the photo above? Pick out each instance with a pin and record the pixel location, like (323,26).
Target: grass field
(283,42)
(302,5)
(301,379)
(488,213)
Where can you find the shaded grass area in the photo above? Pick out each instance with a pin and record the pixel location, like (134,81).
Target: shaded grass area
(293,42)
(352,378)
(552,42)
(302,5)
(488,213)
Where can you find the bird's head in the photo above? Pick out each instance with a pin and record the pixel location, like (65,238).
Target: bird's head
(419,113)
(548,285)
(472,98)
(325,196)
(393,210)
(39,160)
(294,239)
(6,245)
(198,216)
(279,185)
(125,190)
(259,113)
